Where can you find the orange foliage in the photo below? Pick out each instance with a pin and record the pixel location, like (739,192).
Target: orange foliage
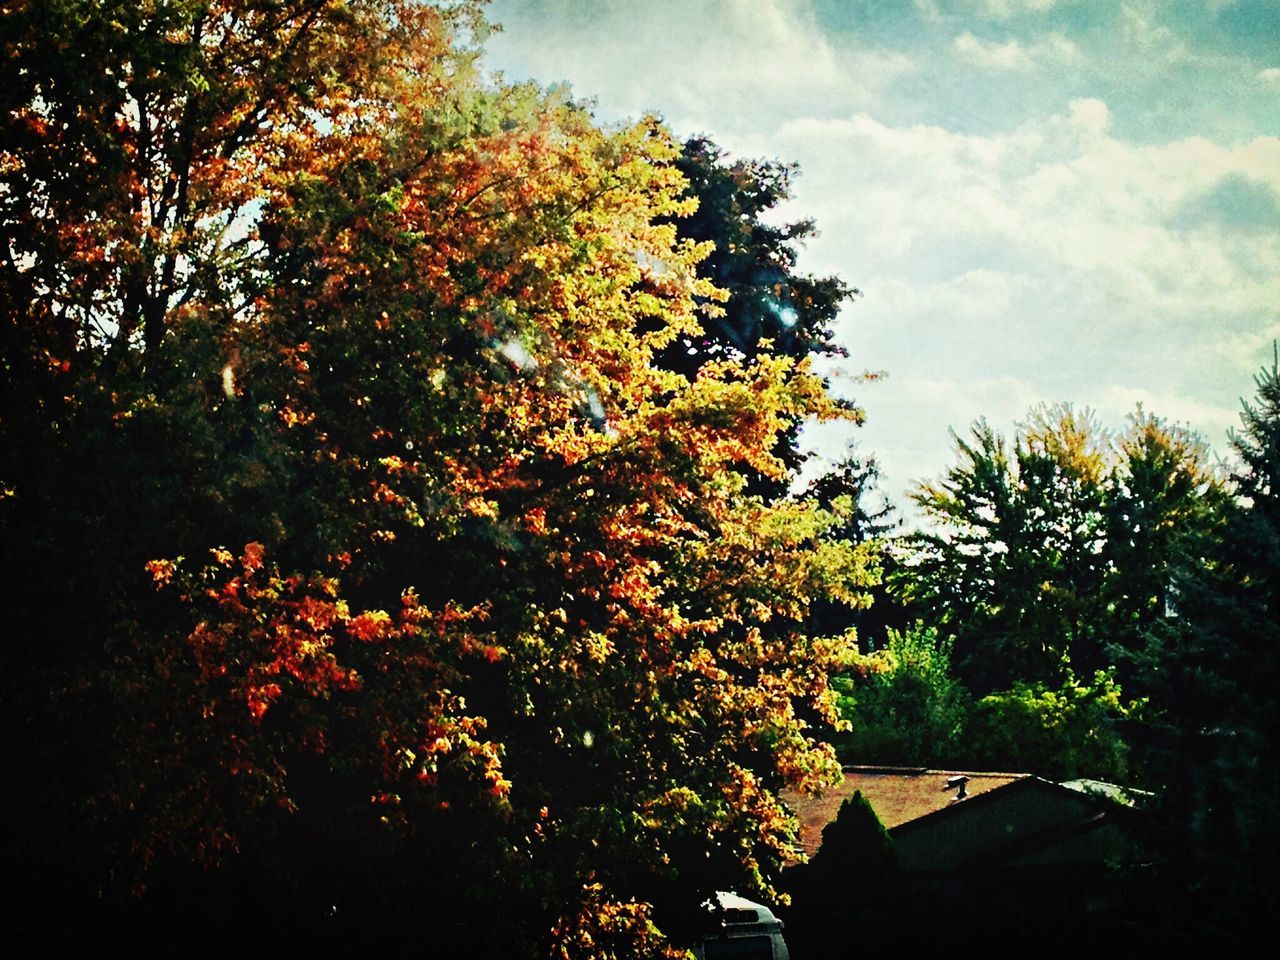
(398,325)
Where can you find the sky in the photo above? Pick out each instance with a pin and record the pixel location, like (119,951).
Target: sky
(1039,200)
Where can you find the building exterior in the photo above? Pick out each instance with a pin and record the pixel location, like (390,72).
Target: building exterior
(976,848)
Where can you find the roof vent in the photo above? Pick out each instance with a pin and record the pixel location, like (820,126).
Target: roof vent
(957,783)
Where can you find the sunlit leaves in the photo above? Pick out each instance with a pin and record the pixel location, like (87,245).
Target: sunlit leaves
(504,608)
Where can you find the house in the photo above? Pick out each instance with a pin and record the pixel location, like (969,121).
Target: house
(977,847)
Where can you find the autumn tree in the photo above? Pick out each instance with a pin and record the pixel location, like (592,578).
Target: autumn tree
(374,564)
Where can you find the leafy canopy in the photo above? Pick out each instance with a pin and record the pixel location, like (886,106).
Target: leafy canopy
(1051,555)
(407,581)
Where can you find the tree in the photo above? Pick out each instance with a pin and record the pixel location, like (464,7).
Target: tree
(854,480)
(769,308)
(1211,668)
(856,861)
(408,583)
(851,881)
(1011,566)
(1054,556)
(1164,500)
(905,706)
(753,262)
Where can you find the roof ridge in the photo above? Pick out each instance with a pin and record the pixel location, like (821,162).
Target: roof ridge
(927,771)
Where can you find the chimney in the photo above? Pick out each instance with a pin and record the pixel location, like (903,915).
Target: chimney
(957,783)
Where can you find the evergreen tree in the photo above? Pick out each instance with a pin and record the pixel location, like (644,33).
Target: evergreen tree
(767,307)
(1212,668)
(850,885)
(754,262)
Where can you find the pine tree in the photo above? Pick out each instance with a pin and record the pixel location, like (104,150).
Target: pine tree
(1212,667)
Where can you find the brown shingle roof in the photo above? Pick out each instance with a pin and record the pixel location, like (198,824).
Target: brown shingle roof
(898,794)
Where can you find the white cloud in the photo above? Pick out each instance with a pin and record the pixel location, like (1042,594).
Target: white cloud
(994,56)
(1089,115)
(1060,190)
(1156,44)
(727,67)
(962,401)
(971,295)
(1040,262)
(1212,420)
(1013,55)
(1002,9)
(1047,251)
(989,9)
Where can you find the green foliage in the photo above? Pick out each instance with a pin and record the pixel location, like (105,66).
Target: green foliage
(1212,669)
(906,707)
(1058,733)
(1053,555)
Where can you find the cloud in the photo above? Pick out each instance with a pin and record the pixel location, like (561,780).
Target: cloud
(1160,38)
(987,9)
(1008,8)
(1233,202)
(962,401)
(1016,241)
(1053,250)
(1013,55)
(992,55)
(1089,115)
(728,66)
(910,420)
(1060,189)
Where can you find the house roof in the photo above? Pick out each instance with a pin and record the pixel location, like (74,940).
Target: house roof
(899,795)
